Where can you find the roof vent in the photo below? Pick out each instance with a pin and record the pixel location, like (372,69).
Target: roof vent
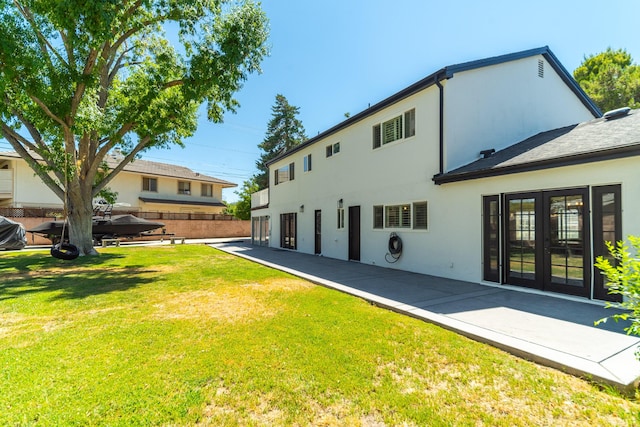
(617,113)
(487,153)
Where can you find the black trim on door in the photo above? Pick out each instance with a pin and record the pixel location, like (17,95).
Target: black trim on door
(567,254)
(607,226)
(354,233)
(318,232)
(522,239)
(491,238)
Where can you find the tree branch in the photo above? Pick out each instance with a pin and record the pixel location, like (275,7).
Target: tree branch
(10,136)
(115,171)
(45,45)
(47,111)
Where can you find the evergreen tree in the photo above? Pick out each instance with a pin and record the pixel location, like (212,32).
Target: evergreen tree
(611,79)
(284,132)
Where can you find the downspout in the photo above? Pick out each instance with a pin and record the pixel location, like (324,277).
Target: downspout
(441,124)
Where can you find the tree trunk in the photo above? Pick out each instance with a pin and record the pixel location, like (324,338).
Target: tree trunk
(80,215)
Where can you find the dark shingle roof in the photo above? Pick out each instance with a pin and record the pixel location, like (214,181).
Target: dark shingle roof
(591,141)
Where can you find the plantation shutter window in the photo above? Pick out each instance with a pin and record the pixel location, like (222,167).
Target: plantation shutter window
(420,216)
(392,130)
(378,219)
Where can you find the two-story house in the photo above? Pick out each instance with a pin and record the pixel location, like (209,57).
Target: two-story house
(478,172)
(142,186)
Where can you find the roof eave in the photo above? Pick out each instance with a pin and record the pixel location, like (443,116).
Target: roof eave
(576,159)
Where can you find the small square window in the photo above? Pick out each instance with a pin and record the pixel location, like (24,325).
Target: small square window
(206,190)
(150,184)
(184,187)
(420,216)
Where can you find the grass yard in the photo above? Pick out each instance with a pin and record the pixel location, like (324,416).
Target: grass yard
(186,335)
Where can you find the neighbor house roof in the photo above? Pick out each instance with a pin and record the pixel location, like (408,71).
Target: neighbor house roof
(146,167)
(592,141)
(447,73)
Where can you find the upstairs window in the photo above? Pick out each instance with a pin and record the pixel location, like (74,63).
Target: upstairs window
(206,190)
(399,127)
(333,149)
(307,163)
(150,184)
(184,187)
(284,174)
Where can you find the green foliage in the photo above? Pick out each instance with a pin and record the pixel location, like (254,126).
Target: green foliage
(610,79)
(243,206)
(623,278)
(80,79)
(284,132)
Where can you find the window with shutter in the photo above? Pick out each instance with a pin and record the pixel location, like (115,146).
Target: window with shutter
(420,216)
(378,218)
(392,130)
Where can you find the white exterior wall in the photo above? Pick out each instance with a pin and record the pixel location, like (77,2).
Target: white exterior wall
(499,105)
(30,191)
(397,173)
(457,217)
(490,107)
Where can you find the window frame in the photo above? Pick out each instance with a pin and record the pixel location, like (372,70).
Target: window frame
(286,171)
(146,184)
(307,164)
(332,149)
(204,193)
(398,128)
(186,187)
(401,216)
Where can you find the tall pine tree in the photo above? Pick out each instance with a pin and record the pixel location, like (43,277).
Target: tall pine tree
(284,132)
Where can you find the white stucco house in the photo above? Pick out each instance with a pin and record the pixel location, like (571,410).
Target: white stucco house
(499,171)
(142,186)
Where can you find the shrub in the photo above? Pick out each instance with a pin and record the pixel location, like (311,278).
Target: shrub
(623,278)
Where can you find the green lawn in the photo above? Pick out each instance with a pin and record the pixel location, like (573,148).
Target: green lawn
(186,335)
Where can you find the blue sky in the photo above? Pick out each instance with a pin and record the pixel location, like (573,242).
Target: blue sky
(331,57)
(336,56)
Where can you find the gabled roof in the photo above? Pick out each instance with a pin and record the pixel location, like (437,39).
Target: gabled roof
(447,73)
(146,167)
(591,141)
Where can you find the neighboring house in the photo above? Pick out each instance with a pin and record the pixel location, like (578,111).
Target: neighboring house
(478,170)
(142,186)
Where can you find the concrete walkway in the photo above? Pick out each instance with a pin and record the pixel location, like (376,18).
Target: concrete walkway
(549,330)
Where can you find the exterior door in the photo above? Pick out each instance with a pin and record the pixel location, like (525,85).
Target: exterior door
(354,233)
(491,238)
(607,227)
(288,230)
(318,232)
(547,241)
(567,263)
(523,232)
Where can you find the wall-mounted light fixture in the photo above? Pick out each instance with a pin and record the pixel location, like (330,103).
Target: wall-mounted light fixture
(301,208)
(340,204)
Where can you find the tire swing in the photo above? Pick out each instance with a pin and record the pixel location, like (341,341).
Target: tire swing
(61,250)
(395,248)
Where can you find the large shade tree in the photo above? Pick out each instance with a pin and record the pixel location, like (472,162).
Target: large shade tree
(611,79)
(80,79)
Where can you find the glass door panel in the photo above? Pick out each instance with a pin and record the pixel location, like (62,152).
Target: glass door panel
(522,240)
(607,227)
(566,262)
